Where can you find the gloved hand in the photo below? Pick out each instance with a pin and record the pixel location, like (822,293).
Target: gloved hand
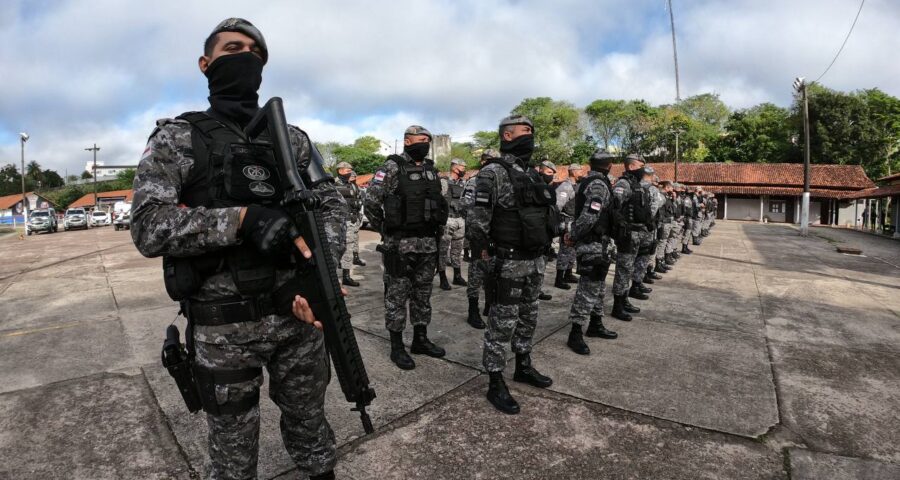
(270,231)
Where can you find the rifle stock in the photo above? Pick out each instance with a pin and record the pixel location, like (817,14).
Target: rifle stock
(317,276)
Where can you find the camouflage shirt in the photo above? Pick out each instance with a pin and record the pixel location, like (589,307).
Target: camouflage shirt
(597,198)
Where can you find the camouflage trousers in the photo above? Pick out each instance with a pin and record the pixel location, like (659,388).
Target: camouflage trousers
(591,287)
(299,372)
(514,311)
(452,242)
(565,259)
(696,228)
(675,237)
(688,228)
(640,267)
(663,240)
(477,271)
(412,288)
(625,258)
(352,244)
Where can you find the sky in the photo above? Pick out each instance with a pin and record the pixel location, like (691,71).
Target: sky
(79,72)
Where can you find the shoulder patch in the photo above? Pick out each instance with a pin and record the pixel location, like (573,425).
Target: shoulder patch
(596,206)
(619,190)
(379,177)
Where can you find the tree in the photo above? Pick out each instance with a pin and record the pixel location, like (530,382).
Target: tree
(363,161)
(33,171)
(759,134)
(639,126)
(86,175)
(607,118)
(555,127)
(368,144)
(10,180)
(486,139)
(52,179)
(72,178)
(124,179)
(706,108)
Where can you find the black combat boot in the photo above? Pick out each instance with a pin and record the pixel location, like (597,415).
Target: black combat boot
(358,261)
(560,282)
(487,307)
(636,292)
(329,475)
(570,277)
(499,395)
(346,280)
(466,256)
(676,255)
(445,285)
(458,278)
(685,250)
(398,352)
(647,279)
(618,310)
(546,296)
(525,373)
(576,341)
(661,267)
(474,317)
(653,275)
(421,345)
(643,288)
(670,260)
(596,328)
(629,307)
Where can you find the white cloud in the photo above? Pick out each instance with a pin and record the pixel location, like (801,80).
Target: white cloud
(84,71)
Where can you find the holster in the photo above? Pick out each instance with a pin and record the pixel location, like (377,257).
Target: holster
(208,378)
(394,263)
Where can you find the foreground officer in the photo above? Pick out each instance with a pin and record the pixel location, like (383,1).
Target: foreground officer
(346,186)
(455,232)
(631,214)
(565,203)
(590,232)
(205,200)
(510,225)
(404,203)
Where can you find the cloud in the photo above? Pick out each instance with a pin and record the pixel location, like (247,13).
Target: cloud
(85,71)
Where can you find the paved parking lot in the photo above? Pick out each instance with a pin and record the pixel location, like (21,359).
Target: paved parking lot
(762,356)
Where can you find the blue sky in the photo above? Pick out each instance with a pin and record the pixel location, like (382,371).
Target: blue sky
(85,71)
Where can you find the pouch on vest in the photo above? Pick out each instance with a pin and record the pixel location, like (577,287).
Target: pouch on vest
(393,212)
(251,272)
(251,174)
(180,277)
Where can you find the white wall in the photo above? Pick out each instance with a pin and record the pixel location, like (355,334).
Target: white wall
(775,217)
(846,213)
(743,208)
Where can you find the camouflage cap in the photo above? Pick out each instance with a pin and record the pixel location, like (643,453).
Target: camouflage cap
(243,26)
(490,153)
(515,120)
(632,158)
(648,170)
(548,164)
(343,165)
(575,167)
(458,161)
(417,130)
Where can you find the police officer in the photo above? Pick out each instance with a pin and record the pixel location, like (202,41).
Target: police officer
(590,232)
(511,226)
(690,213)
(206,199)
(666,224)
(631,214)
(478,266)
(676,225)
(565,203)
(452,188)
(699,215)
(346,186)
(647,234)
(405,204)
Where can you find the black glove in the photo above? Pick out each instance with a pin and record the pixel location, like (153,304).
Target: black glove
(270,231)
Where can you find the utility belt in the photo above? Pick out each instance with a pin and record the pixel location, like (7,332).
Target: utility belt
(233,310)
(513,254)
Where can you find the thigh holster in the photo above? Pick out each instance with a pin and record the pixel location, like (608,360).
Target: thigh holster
(509,291)
(208,378)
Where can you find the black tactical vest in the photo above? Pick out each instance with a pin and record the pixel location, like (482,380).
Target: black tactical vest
(351,195)
(639,203)
(668,210)
(416,208)
(527,225)
(455,194)
(604,220)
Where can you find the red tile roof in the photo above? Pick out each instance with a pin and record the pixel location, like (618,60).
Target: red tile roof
(88,200)
(878,192)
(8,201)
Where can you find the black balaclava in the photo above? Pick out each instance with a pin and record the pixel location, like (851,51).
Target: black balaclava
(417,151)
(233,84)
(548,177)
(345,177)
(522,147)
(637,174)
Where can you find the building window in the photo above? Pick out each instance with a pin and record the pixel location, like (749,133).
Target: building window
(776,206)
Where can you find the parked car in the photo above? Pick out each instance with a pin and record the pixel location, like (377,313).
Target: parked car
(100,218)
(76,218)
(122,220)
(43,220)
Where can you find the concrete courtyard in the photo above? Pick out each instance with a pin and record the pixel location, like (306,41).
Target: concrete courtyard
(763,355)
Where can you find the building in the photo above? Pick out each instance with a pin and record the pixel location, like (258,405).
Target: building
(11,206)
(106,200)
(102,171)
(879,207)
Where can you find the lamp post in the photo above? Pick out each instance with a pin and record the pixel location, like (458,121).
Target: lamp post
(94,149)
(23,137)
(800,86)
(677,133)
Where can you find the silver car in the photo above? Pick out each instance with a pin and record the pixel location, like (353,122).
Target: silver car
(76,218)
(100,218)
(42,221)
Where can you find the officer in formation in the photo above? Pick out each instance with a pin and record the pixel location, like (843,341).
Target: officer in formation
(511,226)
(405,204)
(590,231)
(346,185)
(672,253)
(699,216)
(215,229)
(647,249)
(691,213)
(565,203)
(453,187)
(477,266)
(665,230)
(631,216)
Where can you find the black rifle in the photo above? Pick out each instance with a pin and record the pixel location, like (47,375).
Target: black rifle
(317,276)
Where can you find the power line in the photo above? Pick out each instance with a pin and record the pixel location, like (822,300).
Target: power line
(843,44)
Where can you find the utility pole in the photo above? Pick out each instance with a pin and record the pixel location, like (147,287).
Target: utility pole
(94,149)
(677,151)
(674,55)
(800,86)
(23,137)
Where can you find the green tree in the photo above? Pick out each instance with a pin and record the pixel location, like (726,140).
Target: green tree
(10,180)
(556,127)
(124,179)
(486,139)
(762,133)
(706,108)
(63,197)
(368,144)
(363,161)
(639,127)
(607,118)
(86,175)
(52,179)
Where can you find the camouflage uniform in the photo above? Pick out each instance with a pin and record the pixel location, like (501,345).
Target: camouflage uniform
(420,255)
(677,225)
(354,221)
(565,198)
(478,266)
(292,351)
(513,320)
(647,237)
(455,231)
(666,222)
(592,254)
(688,206)
(697,221)
(626,251)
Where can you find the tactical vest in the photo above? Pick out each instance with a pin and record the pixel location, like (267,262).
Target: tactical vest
(416,208)
(350,193)
(527,225)
(639,207)
(668,210)
(569,208)
(604,219)
(455,194)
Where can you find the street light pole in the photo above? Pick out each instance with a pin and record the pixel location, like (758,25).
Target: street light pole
(23,137)
(800,85)
(94,149)
(674,53)
(677,133)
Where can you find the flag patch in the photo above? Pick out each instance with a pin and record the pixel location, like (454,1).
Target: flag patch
(379,176)
(595,206)
(146,153)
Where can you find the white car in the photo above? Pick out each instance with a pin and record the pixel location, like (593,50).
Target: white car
(99,218)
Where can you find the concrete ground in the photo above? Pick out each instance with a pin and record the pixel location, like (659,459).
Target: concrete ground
(763,355)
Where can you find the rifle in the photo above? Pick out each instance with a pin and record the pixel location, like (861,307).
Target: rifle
(317,276)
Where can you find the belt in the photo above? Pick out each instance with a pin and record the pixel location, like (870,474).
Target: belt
(234,310)
(512,254)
